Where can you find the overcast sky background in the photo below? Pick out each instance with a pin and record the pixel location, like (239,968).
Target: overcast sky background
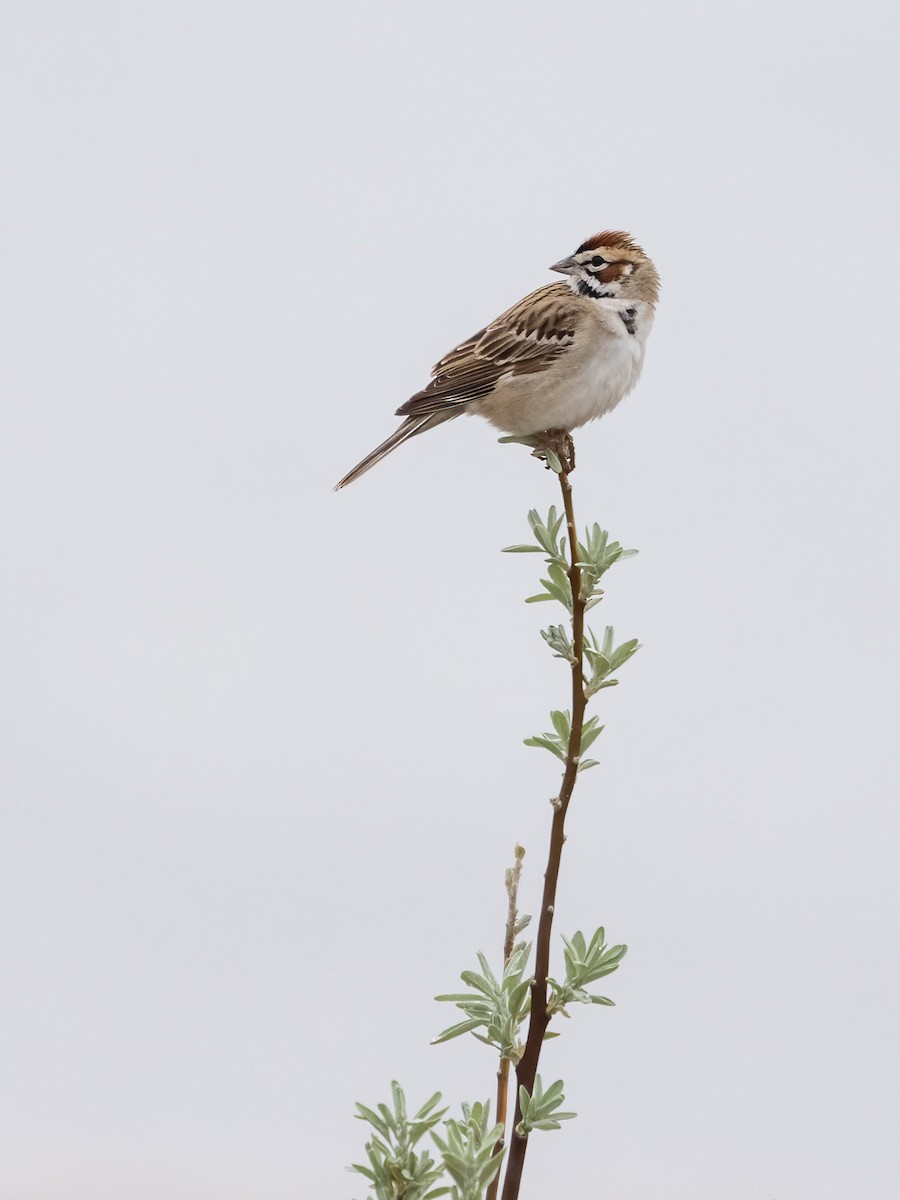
(261,755)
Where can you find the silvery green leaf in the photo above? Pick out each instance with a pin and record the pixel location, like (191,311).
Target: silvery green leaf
(586,763)
(521,550)
(538,599)
(364,1171)
(546,744)
(602,972)
(399,1100)
(428,1105)
(516,986)
(521,950)
(561,722)
(376,1147)
(577,943)
(600,664)
(623,653)
(456,1031)
(488,974)
(559,576)
(542,533)
(552,460)
(417,1129)
(603,1000)
(366,1114)
(473,979)
(520,441)
(590,733)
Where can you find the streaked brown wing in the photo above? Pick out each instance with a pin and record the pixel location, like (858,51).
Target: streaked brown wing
(525,339)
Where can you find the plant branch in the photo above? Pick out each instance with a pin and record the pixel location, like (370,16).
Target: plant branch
(513,875)
(526,1070)
(512,916)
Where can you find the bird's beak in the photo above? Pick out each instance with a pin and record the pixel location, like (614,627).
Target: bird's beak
(565,266)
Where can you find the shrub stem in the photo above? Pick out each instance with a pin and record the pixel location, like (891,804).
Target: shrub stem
(540,1018)
(509,941)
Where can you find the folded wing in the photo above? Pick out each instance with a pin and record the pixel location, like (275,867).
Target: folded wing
(524,340)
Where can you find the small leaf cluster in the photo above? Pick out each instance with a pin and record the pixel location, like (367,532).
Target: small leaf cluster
(546,534)
(603,659)
(548,542)
(557,741)
(497,1006)
(559,642)
(540,1110)
(595,556)
(469,1152)
(397,1172)
(586,962)
(395,1169)
(496,1009)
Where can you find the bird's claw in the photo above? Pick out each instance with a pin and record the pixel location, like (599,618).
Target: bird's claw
(556,449)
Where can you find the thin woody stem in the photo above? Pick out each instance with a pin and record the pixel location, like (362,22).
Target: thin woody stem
(540,1017)
(512,916)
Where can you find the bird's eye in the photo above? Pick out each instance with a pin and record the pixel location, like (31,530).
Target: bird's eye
(597,261)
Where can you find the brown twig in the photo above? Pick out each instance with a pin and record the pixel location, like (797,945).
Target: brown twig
(512,916)
(540,1017)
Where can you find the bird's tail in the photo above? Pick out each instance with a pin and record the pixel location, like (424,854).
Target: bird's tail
(410,427)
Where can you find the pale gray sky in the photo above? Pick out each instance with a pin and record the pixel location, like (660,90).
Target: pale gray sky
(262,765)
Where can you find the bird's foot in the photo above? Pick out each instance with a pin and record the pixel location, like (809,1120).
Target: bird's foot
(555,448)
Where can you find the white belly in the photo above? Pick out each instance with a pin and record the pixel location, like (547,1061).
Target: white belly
(586,382)
(599,385)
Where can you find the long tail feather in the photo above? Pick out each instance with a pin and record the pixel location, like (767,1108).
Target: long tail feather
(410,427)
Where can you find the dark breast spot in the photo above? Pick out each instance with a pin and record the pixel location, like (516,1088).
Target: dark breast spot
(629,318)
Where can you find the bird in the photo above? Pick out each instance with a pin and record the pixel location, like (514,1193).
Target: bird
(565,355)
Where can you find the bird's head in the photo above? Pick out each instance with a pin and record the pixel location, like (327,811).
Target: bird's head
(611,265)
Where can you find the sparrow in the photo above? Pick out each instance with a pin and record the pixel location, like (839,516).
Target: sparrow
(564,355)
